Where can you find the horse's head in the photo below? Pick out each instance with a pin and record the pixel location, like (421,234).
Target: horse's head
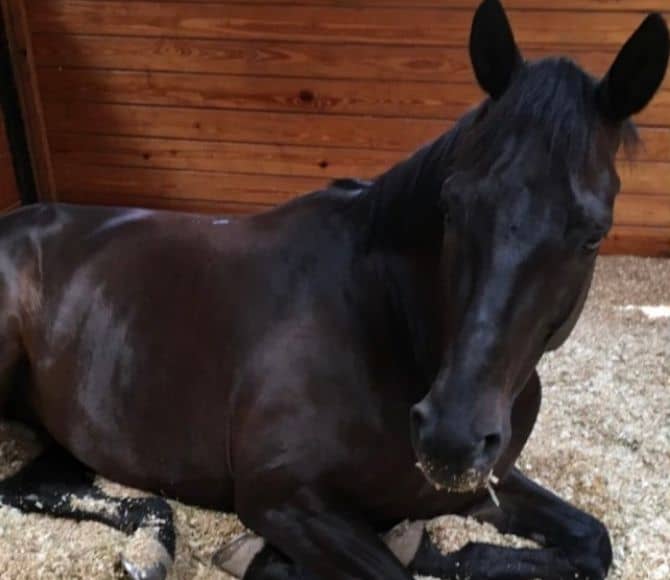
(528,199)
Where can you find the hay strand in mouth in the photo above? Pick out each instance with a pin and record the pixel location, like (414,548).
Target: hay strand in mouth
(492,493)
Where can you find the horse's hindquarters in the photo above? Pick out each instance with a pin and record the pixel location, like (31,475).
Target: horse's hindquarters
(123,338)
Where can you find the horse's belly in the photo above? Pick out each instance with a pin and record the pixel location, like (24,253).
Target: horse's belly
(161,438)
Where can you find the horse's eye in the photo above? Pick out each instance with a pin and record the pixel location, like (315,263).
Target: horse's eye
(593,243)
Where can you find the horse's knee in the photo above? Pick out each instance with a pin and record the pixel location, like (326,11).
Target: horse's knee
(237,556)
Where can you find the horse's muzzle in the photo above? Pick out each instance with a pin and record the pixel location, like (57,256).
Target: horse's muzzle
(451,453)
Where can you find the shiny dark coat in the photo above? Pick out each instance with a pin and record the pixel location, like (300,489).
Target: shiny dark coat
(294,366)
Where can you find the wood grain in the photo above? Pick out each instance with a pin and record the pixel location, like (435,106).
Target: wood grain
(325,24)
(274,159)
(189,204)
(589,5)
(395,134)
(373,97)
(286,59)
(236,106)
(638,241)
(639,209)
(242,126)
(642,210)
(9,193)
(23,63)
(151,183)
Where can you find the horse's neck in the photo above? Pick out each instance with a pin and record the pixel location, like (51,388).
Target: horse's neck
(400,313)
(401,223)
(402,206)
(418,305)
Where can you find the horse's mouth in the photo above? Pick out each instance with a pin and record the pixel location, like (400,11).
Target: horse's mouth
(441,479)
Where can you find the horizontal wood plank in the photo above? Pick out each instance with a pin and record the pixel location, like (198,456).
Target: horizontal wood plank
(242,126)
(260,127)
(589,5)
(431,100)
(635,240)
(409,99)
(273,159)
(638,241)
(654,144)
(238,188)
(402,135)
(188,204)
(642,210)
(634,210)
(286,59)
(650,178)
(427,26)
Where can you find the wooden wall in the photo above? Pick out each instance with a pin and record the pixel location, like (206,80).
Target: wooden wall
(235,106)
(10,197)
(9,193)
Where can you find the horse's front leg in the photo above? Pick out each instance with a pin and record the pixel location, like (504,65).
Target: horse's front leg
(529,510)
(323,542)
(252,558)
(575,544)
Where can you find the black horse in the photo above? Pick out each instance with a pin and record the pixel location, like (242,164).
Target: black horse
(298,366)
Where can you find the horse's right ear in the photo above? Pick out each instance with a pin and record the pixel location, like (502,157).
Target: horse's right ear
(637,72)
(493,51)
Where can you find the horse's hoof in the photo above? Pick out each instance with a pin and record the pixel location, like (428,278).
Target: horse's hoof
(404,540)
(236,556)
(145,558)
(135,572)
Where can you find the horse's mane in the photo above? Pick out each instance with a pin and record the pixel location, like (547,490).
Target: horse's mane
(553,97)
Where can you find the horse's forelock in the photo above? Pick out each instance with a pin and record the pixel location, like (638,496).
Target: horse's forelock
(552,98)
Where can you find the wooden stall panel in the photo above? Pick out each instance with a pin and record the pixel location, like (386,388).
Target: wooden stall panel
(9,192)
(236,106)
(367,23)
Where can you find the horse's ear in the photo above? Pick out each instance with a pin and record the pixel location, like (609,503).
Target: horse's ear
(637,72)
(493,51)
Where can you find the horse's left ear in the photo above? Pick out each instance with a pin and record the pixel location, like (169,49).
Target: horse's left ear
(637,72)
(493,51)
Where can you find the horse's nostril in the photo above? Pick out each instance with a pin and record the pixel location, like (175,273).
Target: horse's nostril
(418,416)
(491,445)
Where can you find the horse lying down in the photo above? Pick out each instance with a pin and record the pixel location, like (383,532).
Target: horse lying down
(297,366)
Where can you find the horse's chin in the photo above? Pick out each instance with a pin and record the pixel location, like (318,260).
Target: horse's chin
(468,481)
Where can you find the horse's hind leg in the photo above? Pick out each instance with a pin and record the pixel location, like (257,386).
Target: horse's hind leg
(56,484)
